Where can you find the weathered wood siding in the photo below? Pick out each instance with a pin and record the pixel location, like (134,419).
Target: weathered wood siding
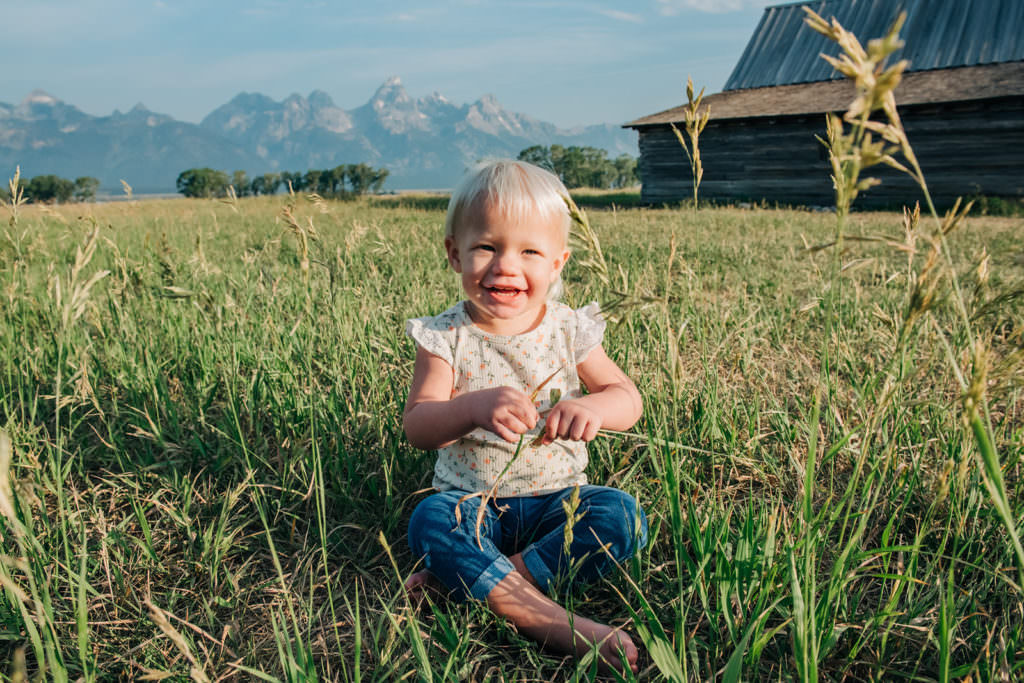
(965,148)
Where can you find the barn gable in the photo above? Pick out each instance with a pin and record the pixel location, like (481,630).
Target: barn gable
(965,119)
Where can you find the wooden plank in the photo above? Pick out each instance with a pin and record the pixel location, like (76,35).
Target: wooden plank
(970,148)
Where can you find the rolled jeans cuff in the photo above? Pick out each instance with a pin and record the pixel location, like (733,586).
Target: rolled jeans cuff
(538,570)
(491,577)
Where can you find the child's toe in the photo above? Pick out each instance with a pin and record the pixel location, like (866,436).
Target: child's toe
(421,584)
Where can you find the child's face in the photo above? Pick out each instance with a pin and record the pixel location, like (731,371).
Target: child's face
(506,266)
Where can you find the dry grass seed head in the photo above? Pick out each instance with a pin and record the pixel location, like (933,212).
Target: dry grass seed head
(230,198)
(17,198)
(923,296)
(956,216)
(875,84)
(975,394)
(6,493)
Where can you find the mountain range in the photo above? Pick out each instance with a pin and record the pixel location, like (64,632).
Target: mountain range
(425,143)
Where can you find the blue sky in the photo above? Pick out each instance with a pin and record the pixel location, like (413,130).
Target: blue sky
(566,62)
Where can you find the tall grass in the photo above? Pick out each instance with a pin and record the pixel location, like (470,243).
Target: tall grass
(202,455)
(695,120)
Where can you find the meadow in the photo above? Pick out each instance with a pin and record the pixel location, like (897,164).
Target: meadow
(203,473)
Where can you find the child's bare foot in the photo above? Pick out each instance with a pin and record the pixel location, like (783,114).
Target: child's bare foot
(616,650)
(540,618)
(423,584)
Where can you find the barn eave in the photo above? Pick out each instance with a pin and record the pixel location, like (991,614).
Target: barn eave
(938,86)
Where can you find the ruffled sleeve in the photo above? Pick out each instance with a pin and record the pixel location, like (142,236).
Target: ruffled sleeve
(590,328)
(431,334)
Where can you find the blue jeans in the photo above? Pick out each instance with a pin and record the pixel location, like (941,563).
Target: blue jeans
(531,525)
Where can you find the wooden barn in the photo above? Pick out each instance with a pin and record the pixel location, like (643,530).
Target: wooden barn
(961,101)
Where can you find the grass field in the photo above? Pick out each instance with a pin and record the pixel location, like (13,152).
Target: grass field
(202,446)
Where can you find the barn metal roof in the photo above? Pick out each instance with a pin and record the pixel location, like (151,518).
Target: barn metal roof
(938,34)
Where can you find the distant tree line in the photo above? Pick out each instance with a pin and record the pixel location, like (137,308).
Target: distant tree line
(584,166)
(346,180)
(51,189)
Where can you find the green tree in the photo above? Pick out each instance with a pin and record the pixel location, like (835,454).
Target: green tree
(271,181)
(256,186)
(538,155)
(360,177)
(325,188)
(291,181)
(570,164)
(49,188)
(626,171)
(337,175)
(202,182)
(597,170)
(583,166)
(265,184)
(240,181)
(85,188)
(311,180)
(380,175)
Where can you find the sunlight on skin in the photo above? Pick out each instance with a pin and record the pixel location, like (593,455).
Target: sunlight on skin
(518,599)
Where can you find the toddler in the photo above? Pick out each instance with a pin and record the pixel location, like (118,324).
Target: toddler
(477,365)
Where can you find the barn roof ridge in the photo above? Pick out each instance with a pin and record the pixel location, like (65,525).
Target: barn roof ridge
(934,86)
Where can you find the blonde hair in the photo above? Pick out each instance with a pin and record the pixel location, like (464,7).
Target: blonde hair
(516,189)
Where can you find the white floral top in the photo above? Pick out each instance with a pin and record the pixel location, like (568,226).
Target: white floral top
(482,361)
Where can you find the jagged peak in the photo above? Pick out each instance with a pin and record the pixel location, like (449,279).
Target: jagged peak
(392,92)
(436,97)
(251,99)
(38,96)
(320,98)
(489,103)
(140,108)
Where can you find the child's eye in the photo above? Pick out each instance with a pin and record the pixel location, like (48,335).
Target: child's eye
(484,247)
(531,252)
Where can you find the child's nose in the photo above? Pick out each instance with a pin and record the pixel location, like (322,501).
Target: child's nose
(504,262)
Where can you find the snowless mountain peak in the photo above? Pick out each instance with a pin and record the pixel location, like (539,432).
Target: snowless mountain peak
(319,99)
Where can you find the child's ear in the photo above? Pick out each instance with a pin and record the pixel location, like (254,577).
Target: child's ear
(453,254)
(559,264)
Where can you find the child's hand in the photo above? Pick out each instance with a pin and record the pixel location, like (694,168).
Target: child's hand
(571,420)
(504,411)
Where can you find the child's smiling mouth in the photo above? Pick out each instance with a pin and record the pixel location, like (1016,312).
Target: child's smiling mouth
(504,292)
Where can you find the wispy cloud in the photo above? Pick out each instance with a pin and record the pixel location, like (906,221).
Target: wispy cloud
(54,22)
(671,7)
(621,16)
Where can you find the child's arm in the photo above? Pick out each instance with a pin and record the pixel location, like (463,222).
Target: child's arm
(613,402)
(434,418)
